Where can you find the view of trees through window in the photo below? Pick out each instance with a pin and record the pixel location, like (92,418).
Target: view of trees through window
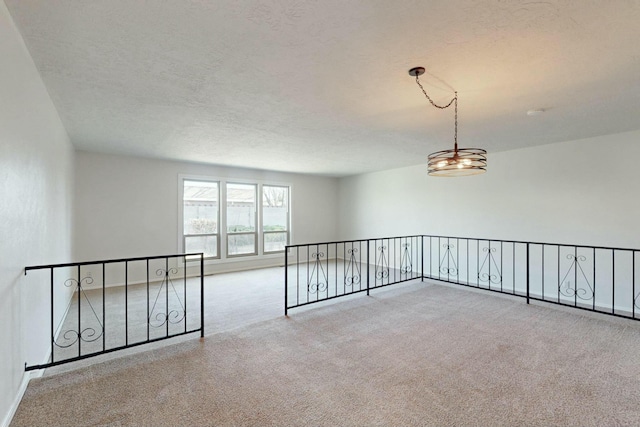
(202,226)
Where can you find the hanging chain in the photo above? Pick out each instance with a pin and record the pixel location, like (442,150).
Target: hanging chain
(455,133)
(442,107)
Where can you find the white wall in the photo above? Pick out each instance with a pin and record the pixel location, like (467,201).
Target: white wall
(36,161)
(128,207)
(576,192)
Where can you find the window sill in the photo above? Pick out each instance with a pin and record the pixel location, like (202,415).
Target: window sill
(244,258)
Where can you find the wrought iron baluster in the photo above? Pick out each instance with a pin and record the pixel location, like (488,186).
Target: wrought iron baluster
(51,319)
(593,303)
(633,284)
(559,282)
(286,280)
(79,314)
(501,269)
(184,284)
(467,242)
(543,272)
(104,318)
(613,281)
(457,260)
(148,312)
(126,302)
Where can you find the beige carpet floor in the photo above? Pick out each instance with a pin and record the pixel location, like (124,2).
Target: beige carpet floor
(415,354)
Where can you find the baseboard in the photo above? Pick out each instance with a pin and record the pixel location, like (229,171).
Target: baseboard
(26,377)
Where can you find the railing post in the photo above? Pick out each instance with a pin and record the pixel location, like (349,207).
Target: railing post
(422,258)
(368,265)
(286,279)
(104,319)
(528,273)
(201,294)
(52,330)
(79,294)
(126,304)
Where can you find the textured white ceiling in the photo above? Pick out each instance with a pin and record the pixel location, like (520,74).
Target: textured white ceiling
(322,86)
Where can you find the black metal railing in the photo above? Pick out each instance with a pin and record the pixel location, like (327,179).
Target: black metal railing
(495,265)
(98,307)
(594,278)
(323,271)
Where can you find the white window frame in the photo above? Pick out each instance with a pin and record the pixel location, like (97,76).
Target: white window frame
(287,231)
(183,237)
(257,214)
(223,256)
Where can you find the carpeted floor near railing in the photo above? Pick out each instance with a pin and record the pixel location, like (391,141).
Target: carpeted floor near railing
(415,355)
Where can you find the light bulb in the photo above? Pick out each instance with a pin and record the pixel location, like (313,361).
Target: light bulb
(442,164)
(460,165)
(466,162)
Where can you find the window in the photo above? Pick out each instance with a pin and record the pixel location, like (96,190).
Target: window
(241,219)
(275,218)
(233,219)
(200,217)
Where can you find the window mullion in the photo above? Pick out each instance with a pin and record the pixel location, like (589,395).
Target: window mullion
(223,220)
(259,220)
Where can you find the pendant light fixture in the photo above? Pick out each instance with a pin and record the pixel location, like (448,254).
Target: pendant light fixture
(459,161)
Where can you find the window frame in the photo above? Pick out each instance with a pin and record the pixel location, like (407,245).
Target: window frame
(288,220)
(242,233)
(184,236)
(223,255)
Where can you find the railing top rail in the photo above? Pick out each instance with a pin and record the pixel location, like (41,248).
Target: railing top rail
(533,243)
(463,238)
(110,261)
(351,241)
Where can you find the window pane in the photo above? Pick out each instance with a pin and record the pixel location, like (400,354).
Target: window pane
(206,244)
(240,244)
(241,208)
(200,207)
(275,208)
(274,242)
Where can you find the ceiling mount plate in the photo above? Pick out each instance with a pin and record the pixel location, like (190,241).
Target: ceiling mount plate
(416,71)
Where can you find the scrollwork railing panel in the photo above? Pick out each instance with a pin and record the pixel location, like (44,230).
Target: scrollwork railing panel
(492,275)
(321,282)
(69,337)
(448,266)
(564,287)
(352,274)
(382,264)
(405,263)
(173,316)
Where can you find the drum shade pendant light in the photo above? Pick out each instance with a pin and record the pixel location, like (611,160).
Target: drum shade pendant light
(459,161)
